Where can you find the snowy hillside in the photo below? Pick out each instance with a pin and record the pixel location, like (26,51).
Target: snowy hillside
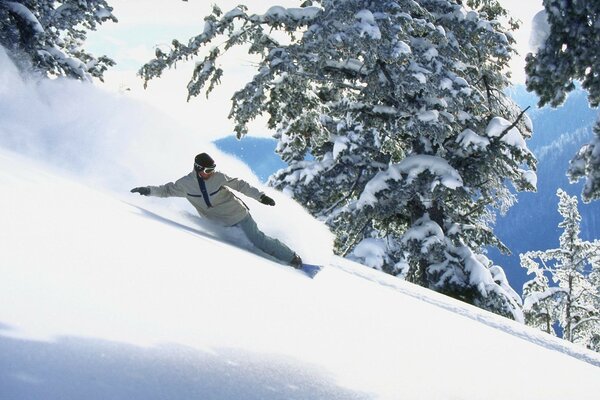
(109,295)
(105,296)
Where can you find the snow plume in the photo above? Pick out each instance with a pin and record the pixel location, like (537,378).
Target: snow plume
(112,142)
(105,139)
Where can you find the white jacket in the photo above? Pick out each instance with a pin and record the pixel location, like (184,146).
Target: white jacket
(223,206)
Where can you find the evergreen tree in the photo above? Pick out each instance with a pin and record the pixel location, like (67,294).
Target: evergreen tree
(569,53)
(400,105)
(573,303)
(540,302)
(494,10)
(594,279)
(46,36)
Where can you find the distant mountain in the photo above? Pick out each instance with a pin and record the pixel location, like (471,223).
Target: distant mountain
(532,223)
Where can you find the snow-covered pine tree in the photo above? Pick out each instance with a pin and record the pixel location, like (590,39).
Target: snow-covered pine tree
(46,36)
(400,105)
(540,302)
(567,54)
(575,299)
(494,11)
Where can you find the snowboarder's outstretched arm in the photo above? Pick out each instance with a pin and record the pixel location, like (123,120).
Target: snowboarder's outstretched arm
(171,189)
(143,190)
(244,187)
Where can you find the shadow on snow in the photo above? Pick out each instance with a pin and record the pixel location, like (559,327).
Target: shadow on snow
(78,368)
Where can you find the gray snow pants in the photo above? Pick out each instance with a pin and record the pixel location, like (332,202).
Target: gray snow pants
(272,247)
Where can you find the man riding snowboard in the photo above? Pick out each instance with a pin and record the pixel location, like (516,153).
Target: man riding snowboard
(209,192)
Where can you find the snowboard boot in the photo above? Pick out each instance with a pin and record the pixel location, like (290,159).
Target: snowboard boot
(296,261)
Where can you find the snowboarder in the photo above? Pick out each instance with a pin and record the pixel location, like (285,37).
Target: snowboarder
(209,192)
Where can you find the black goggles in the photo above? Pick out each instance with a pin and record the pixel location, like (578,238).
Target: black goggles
(208,170)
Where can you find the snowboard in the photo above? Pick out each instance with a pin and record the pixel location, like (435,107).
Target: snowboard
(310,269)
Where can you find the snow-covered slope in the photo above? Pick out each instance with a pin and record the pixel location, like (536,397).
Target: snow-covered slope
(108,296)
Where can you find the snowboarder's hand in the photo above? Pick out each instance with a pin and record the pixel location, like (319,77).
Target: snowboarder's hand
(267,200)
(144,191)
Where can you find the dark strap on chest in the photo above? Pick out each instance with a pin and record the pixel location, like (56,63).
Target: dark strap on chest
(204,191)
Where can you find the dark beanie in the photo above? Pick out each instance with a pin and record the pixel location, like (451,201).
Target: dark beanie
(203,160)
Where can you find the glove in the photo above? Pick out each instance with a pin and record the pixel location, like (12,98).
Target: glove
(267,200)
(144,191)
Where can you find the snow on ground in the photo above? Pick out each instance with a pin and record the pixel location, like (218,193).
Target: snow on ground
(109,295)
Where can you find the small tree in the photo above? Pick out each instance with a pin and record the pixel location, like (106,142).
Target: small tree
(46,36)
(540,302)
(594,279)
(573,304)
(569,53)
